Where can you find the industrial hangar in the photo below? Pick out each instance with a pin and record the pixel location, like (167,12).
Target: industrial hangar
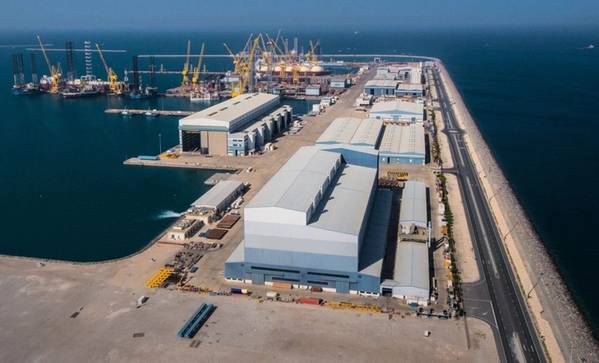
(321,221)
(236,126)
(398,111)
(403,144)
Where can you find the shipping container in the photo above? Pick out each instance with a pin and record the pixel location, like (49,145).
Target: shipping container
(316,289)
(272,295)
(282,285)
(309,300)
(236,290)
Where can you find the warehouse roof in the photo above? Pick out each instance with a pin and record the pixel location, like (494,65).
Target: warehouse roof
(403,140)
(299,182)
(398,106)
(329,194)
(218,194)
(412,268)
(372,252)
(226,113)
(413,204)
(410,86)
(346,205)
(351,130)
(381,83)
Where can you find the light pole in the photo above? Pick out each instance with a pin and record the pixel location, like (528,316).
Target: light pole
(535,285)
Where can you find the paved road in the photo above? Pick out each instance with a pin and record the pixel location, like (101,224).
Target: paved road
(496,297)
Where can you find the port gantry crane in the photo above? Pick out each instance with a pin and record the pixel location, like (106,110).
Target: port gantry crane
(113,80)
(244,65)
(55,73)
(195,79)
(186,66)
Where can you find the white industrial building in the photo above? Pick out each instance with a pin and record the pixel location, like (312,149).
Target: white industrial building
(403,144)
(411,276)
(409,90)
(207,131)
(255,136)
(355,138)
(398,110)
(308,226)
(220,196)
(413,217)
(381,87)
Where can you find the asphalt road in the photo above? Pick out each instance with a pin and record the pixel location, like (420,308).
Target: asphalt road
(496,298)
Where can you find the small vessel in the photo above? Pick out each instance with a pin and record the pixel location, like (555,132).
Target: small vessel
(26,89)
(201,97)
(125,112)
(147,92)
(151,113)
(86,91)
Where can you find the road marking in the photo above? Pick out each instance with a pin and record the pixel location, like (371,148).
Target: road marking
(517,348)
(483,229)
(455,138)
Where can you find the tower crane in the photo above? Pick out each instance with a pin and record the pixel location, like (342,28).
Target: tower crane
(54,71)
(186,66)
(195,79)
(113,79)
(246,78)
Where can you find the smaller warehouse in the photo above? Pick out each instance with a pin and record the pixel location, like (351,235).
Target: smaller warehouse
(338,83)
(184,229)
(403,144)
(409,90)
(356,139)
(413,217)
(411,280)
(257,135)
(220,196)
(381,87)
(397,110)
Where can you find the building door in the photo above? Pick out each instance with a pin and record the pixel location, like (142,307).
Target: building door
(342,287)
(257,278)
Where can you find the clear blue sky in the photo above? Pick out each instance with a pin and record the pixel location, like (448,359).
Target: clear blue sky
(297,14)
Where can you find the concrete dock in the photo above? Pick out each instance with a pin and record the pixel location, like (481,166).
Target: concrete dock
(137,112)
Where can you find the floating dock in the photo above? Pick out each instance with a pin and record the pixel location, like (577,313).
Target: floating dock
(138,112)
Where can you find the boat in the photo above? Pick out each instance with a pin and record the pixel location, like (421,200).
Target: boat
(201,97)
(151,113)
(86,91)
(27,89)
(148,92)
(125,112)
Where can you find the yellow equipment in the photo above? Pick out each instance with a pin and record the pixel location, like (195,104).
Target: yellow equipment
(195,79)
(54,72)
(159,277)
(186,66)
(295,73)
(113,80)
(246,74)
(244,63)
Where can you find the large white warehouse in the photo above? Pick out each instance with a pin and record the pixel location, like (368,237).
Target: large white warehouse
(207,131)
(308,226)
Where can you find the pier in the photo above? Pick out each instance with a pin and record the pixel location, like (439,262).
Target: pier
(139,112)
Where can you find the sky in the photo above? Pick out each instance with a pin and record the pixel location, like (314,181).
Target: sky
(167,15)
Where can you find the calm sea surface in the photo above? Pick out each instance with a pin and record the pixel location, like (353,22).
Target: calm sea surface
(65,194)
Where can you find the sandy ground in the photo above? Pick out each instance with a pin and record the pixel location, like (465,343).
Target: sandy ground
(560,325)
(60,312)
